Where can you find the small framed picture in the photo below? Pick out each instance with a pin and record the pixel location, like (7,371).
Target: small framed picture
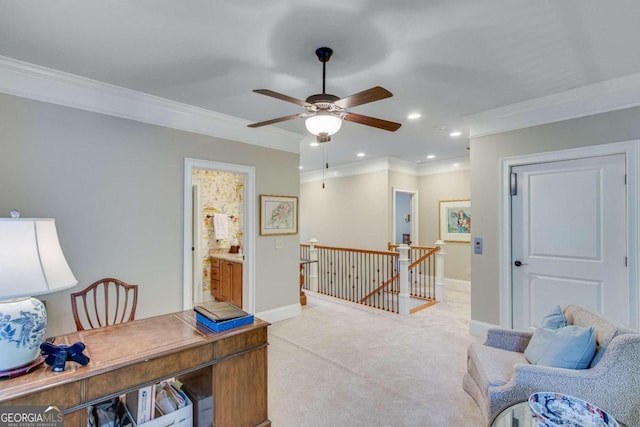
(278,215)
(455,220)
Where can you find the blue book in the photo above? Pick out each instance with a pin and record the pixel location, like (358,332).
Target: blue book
(221,315)
(223,325)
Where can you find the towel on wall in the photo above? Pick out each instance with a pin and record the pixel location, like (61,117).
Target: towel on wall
(220,226)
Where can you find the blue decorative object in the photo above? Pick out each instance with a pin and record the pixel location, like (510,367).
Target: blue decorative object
(225,324)
(556,409)
(23,324)
(58,355)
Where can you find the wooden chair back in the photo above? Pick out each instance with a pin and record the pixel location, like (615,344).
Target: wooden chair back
(105,302)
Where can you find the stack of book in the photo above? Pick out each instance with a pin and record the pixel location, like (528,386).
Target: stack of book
(220,316)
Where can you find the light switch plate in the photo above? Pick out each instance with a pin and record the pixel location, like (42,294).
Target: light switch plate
(279,244)
(477,245)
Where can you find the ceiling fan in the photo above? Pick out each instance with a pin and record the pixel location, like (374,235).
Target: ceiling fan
(325,112)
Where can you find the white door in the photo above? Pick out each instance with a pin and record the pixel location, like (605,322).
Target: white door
(569,238)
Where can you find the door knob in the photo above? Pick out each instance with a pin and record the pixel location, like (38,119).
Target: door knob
(519,263)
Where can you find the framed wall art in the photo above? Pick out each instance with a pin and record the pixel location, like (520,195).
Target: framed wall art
(278,215)
(455,220)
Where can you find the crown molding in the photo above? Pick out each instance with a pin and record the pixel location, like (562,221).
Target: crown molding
(454,164)
(57,87)
(349,169)
(389,164)
(403,166)
(609,95)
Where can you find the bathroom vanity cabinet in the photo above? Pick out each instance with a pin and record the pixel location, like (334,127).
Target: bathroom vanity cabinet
(226,278)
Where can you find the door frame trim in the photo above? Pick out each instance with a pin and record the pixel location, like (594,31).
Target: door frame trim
(196,224)
(249,227)
(631,150)
(414,214)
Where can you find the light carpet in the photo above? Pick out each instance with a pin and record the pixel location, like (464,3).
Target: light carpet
(341,364)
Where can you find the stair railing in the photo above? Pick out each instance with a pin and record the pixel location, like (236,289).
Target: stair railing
(423,274)
(357,275)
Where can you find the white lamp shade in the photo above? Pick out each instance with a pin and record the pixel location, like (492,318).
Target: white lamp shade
(31,260)
(323,123)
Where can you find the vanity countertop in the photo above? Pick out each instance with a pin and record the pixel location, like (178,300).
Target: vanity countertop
(229,257)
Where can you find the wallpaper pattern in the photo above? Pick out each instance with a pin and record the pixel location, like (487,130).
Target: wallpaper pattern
(220,192)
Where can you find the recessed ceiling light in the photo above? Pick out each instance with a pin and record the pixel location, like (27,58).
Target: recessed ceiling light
(431,156)
(455,165)
(360,154)
(414,116)
(314,144)
(455,133)
(300,167)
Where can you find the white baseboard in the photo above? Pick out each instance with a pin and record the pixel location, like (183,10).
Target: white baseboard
(479,329)
(457,285)
(280,313)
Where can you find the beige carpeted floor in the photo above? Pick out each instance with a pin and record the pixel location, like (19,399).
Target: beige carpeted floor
(341,364)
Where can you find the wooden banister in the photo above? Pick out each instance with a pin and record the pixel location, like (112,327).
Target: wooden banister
(424,257)
(371,277)
(379,288)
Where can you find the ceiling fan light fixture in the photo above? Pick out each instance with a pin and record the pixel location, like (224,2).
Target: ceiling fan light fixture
(323,124)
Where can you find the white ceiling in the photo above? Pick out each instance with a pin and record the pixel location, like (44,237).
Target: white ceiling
(445,59)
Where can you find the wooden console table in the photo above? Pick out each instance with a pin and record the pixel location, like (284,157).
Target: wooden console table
(131,355)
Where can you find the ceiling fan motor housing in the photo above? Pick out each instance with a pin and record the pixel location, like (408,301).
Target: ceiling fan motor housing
(324,53)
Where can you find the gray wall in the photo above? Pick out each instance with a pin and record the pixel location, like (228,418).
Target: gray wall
(351,212)
(115,188)
(355,211)
(445,186)
(486,152)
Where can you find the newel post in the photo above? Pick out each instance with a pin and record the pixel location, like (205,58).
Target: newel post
(313,267)
(440,270)
(404,298)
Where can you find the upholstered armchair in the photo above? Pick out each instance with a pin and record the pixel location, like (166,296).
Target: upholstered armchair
(499,375)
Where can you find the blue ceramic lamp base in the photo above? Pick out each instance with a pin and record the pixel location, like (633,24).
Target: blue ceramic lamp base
(23,324)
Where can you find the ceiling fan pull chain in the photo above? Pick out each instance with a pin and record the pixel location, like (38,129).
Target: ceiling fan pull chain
(326,163)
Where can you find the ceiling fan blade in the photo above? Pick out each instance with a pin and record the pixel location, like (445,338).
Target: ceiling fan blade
(372,121)
(272,121)
(374,94)
(282,97)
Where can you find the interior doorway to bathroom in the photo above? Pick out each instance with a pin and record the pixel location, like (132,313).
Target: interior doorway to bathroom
(217,191)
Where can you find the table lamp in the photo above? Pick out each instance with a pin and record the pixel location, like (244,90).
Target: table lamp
(31,263)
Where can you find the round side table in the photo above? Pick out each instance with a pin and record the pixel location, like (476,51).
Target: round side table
(518,415)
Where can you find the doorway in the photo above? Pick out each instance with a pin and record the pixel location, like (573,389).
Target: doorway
(238,230)
(405,215)
(548,255)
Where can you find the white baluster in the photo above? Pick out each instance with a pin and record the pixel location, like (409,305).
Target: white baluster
(313,267)
(440,270)
(404,298)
